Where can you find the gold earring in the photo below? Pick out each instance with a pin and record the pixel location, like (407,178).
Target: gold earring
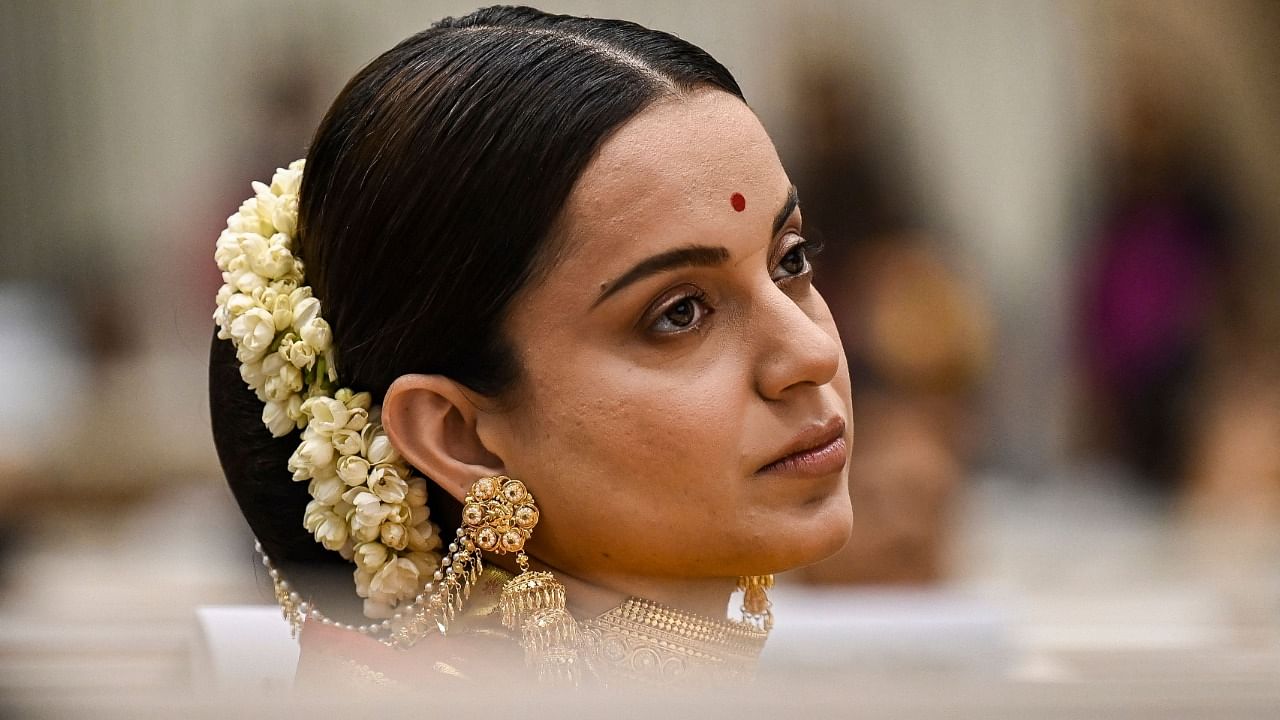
(498,516)
(756,607)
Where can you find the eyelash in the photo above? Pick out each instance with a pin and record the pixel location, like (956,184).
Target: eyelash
(695,295)
(698,297)
(810,250)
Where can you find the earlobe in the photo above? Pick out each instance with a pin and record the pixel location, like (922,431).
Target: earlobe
(431,421)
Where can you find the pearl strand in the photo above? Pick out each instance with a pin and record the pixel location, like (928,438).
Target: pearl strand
(296,610)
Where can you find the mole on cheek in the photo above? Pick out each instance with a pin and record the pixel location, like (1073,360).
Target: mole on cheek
(738,202)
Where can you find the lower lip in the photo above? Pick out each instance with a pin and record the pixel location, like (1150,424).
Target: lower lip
(818,462)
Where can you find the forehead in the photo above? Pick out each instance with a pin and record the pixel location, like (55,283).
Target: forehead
(667,177)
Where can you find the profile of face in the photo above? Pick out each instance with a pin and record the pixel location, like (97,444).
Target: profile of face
(684,407)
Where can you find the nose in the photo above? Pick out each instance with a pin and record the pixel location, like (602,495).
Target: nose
(801,348)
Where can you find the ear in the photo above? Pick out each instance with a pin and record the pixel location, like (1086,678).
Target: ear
(431,421)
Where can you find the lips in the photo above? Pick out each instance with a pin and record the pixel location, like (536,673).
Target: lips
(819,450)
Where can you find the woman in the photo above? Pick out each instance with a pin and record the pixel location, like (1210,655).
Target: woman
(546,257)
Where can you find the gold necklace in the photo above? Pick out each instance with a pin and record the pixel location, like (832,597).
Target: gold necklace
(643,642)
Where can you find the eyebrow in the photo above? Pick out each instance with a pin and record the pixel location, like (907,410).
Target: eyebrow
(689,256)
(788,207)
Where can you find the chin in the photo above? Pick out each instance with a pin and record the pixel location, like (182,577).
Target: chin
(795,542)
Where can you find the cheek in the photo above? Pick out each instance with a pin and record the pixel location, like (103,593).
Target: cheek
(629,461)
(605,410)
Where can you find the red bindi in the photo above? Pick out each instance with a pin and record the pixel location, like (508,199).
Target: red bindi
(738,202)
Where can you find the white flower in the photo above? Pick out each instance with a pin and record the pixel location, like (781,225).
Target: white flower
(332,533)
(266,201)
(302,355)
(368,508)
(375,610)
(354,400)
(359,417)
(285,214)
(239,303)
(396,580)
(311,517)
(326,488)
(228,248)
(305,308)
(285,382)
(327,414)
(361,530)
(301,471)
(366,503)
(272,258)
(331,368)
(253,248)
(353,469)
(294,408)
(289,283)
(393,535)
(328,528)
(254,330)
(371,556)
(276,417)
(347,442)
(275,390)
(241,223)
(380,450)
(386,483)
(251,373)
(426,563)
(272,364)
(287,182)
(423,537)
(316,333)
(398,513)
(313,452)
(418,514)
(281,310)
(291,376)
(243,279)
(363,578)
(367,434)
(248,220)
(416,495)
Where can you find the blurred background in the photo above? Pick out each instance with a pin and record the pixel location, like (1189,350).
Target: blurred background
(1053,249)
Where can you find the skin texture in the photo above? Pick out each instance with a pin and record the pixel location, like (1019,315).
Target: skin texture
(642,419)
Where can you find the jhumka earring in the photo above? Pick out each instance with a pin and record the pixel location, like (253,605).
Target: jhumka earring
(498,516)
(756,607)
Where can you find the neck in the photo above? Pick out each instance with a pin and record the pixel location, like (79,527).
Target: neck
(589,597)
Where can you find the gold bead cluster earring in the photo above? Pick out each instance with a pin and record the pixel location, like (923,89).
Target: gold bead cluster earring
(498,516)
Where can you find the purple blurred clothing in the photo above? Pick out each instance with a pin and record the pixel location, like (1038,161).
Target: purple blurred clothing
(1146,294)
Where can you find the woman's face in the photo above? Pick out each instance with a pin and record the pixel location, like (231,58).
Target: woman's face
(675,351)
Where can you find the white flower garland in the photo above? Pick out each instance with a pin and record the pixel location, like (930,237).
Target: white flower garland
(367,503)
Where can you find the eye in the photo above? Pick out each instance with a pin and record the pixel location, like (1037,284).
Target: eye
(681,313)
(795,262)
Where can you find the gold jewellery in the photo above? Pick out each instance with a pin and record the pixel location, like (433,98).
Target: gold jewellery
(639,641)
(756,607)
(498,516)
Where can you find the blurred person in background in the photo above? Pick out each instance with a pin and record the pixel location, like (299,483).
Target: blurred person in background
(1154,284)
(917,335)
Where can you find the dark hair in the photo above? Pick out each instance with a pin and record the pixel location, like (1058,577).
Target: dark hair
(430,198)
